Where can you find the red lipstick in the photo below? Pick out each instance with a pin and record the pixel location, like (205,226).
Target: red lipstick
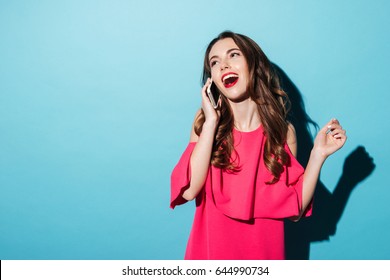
(229,79)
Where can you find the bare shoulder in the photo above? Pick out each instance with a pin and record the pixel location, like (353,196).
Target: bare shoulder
(193,136)
(292,139)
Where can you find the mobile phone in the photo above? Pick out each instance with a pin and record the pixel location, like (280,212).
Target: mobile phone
(213,94)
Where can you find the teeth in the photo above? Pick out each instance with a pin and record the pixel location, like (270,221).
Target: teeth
(229,76)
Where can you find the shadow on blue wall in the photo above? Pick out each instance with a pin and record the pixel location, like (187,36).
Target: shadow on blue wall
(328,207)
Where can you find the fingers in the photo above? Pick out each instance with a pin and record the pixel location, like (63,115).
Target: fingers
(331,126)
(207,97)
(206,85)
(338,133)
(334,129)
(208,109)
(204,89)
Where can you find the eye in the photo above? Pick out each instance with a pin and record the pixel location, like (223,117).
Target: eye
(235,54)
(213,63)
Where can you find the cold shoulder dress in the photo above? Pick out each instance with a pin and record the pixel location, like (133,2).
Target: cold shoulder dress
(238,216)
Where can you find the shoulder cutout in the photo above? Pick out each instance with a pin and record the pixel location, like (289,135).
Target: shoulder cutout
(292,140)
(193,136)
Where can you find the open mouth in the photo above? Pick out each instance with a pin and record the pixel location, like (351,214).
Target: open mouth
(229,80)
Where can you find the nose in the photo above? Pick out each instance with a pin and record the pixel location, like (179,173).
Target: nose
(224,65)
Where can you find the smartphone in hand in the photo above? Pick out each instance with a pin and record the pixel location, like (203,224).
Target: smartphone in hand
(213,95)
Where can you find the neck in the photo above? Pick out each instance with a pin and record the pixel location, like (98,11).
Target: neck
(246,115)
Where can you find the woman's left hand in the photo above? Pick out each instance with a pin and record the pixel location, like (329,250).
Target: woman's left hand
(330,138)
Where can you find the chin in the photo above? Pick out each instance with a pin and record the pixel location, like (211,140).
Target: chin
(237,98)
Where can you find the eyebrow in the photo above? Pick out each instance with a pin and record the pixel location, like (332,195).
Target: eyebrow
(229,51)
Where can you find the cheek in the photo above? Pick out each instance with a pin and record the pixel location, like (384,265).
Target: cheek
(243,66)
(246,76)
(215,76)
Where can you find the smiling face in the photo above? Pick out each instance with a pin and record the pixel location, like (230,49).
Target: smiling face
(229,69)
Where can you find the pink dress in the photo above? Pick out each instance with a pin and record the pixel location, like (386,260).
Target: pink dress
(237,215)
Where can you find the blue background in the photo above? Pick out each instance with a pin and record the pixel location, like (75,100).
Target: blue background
(97,100)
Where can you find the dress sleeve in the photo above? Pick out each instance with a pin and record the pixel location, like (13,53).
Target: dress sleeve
(180,177)
(285,196)
(294,179)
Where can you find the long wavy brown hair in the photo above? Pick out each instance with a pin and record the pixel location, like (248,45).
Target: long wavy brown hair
(272,103)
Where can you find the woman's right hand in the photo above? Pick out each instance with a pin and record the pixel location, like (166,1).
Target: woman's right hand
(211,115)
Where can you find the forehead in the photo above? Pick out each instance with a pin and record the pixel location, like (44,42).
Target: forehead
(222,46)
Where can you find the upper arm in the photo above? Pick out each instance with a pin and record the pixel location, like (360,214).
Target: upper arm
(292,144)
(193,136)
(292,140)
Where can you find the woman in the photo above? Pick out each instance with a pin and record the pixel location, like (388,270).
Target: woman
(240,163)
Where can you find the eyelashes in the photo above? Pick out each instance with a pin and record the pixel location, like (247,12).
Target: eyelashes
(231,55)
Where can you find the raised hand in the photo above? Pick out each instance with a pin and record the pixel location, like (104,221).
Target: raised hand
(210,113)
(330,138)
